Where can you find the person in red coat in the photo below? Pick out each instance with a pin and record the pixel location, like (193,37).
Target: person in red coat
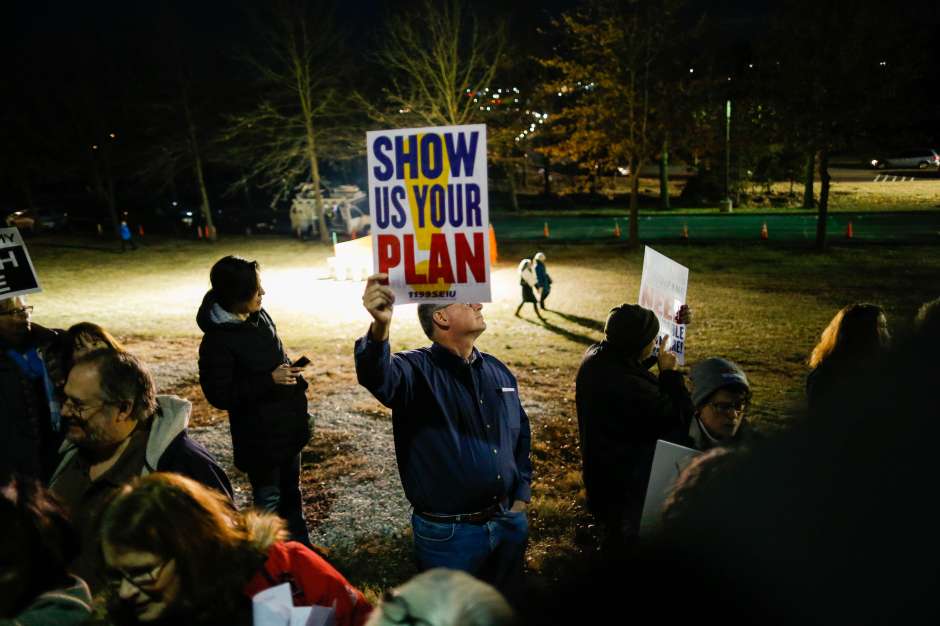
(177,553)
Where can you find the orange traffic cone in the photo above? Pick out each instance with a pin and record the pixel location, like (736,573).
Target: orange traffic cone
(849,233)
(617,229)
(764,235)
(545,231)
(685,232)
(199,232)
(140,230)
(493,255)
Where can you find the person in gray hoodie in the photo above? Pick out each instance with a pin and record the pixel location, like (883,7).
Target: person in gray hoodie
(117,428)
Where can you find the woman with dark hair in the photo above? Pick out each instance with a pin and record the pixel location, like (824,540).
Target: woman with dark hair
(854,338)
(527,282)
(243,369)
(177,553)
(38,543)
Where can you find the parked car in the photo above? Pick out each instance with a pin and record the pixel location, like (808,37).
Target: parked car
(908,159)
(35,220)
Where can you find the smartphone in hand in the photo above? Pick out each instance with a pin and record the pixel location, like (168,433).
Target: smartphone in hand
(301,362)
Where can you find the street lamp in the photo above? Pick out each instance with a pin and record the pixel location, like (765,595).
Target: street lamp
(726,203)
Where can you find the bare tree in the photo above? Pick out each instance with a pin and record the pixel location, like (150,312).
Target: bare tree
(437,59)
(281,140)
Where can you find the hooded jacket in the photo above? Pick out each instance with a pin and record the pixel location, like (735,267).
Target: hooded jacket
(63,606)
(169,448)
(269,422)
(623,408)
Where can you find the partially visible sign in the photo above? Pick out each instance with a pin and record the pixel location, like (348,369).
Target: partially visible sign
(17,275)
(668,462)
(430,212)
(662,290)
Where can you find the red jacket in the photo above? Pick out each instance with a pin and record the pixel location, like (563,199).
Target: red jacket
(312,581)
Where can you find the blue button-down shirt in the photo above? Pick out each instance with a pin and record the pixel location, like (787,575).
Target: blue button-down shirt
(462,438)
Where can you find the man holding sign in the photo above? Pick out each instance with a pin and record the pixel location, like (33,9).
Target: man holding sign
(461,437)
(623,408)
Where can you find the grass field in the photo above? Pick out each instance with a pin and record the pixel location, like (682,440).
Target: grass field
(762,306)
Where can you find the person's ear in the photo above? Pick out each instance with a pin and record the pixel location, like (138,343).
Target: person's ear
(440,318)
(125,409)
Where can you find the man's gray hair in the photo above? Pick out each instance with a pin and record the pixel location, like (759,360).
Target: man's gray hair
(123,378)
(441,596)
(426,317)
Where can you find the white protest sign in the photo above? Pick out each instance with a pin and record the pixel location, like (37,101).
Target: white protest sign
(662,290)
(17,274)
(430,212)
(274,607)
(668,462)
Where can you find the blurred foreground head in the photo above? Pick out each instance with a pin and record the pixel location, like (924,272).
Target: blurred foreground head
(442,597)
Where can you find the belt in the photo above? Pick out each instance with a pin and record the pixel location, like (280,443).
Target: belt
(480,517)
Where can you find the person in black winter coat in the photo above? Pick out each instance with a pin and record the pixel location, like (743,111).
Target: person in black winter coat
(243,369)
(623,409)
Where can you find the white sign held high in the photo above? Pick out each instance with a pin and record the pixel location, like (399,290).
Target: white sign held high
(430,212)
(663,290)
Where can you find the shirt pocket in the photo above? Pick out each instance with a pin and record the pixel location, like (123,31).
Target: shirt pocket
(510,400)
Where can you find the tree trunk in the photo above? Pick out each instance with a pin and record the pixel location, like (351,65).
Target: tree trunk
(511,179)
(546,179)
(823,199)
(664,177)
(634,239)
(206,209)
(808,180)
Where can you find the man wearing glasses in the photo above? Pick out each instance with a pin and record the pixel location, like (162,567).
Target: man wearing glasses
(29,414)
(117,428)
(721,395)
(462,438)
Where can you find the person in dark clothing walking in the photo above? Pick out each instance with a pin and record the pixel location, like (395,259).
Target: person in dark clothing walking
(527,282)
(623,409)
(30,421)
(542,280)
(244,370)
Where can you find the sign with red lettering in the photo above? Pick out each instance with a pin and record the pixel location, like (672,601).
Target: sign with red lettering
(662,290)
(17,275)
(430,212)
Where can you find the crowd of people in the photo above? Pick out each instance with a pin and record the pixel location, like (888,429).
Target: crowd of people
(112,514)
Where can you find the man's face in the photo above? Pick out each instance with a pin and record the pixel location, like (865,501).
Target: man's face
(723,412)
(463,319)
(90,421)
(14,321)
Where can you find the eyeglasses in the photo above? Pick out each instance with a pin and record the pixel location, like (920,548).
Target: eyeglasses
(729,407)
(396,610)
(140,579)
(23,312)
(82,411)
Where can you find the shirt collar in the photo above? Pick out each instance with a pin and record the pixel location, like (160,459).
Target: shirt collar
(445,356)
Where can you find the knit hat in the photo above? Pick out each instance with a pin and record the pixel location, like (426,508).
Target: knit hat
(630,328)
(712,374)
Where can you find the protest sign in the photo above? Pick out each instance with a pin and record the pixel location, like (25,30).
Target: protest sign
(17,275)
(430,212)
(662,290)
(668,462)
(275,607)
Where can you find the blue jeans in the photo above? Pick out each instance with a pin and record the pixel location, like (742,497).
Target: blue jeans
(277,490)
(493,552)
